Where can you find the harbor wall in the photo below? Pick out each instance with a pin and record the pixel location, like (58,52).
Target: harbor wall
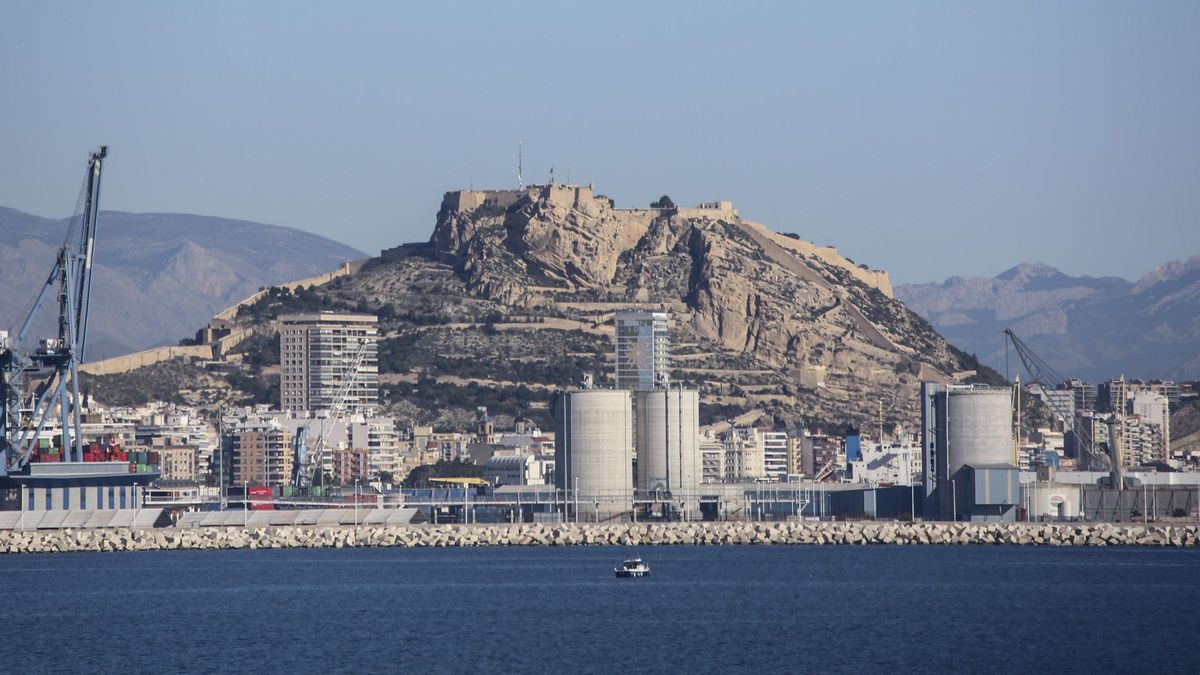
(623,534)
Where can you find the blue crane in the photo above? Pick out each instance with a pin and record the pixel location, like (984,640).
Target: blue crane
(54,362)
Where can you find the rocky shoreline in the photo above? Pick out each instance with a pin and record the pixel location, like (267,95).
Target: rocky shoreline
(618,534)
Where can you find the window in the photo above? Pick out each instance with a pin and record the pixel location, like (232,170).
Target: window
(112,500)
(83,497)
(29,498)
(122,497)
(66,493)
(49,503)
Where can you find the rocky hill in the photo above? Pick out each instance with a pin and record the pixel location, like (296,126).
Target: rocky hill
(513,296)
(1087,327)
(159,275)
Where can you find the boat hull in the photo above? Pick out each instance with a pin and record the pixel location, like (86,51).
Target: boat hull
(631,574)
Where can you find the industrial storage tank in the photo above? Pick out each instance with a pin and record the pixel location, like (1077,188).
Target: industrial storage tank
(974,472)
(668,444)
(978,426)
(593,451)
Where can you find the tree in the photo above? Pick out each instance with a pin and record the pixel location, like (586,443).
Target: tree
(419,476)
(664,202)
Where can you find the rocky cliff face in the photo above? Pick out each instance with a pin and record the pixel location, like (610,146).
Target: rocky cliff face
(820,336)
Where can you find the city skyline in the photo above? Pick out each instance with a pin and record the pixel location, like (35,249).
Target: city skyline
(927,141)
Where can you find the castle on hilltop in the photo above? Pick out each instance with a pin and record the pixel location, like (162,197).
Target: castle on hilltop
(571,196)
(469,205)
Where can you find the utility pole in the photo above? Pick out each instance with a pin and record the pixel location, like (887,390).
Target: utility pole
(880,403)
(221,457)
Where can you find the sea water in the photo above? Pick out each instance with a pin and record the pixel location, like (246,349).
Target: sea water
(704,609)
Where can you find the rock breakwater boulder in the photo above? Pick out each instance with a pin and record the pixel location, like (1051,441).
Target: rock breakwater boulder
(619,534)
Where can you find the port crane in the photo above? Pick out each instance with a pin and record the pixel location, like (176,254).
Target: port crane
(55,361)
(1043,374)
(307,463)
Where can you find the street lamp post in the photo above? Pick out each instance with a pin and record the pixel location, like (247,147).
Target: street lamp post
(356,502)
(954,498)
(1145,502)
(875,500)
(1154,489)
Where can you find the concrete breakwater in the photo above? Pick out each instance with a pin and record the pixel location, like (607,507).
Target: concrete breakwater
(582,534)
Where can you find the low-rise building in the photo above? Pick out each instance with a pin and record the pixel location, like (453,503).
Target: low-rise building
(351,464)
(897,463)
(519,470)
(822,457)
(262,455)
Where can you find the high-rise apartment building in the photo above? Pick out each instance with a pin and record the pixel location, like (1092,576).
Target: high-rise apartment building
(775,455)
(1085,396)
(322,355)
(643,350)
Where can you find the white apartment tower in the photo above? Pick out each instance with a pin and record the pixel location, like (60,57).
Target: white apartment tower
(643,350)
(775,455)
(326,355)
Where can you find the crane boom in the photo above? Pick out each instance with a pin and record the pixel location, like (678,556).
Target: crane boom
(308,462)
(1044,374)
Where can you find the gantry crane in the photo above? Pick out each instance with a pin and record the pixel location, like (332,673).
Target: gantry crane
(1043,374)
(55,361)
(307,464)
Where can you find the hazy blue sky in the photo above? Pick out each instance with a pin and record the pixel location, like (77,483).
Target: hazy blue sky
(927,139)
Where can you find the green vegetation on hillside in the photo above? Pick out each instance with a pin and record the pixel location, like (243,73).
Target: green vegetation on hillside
(419,477)
(432,397)
(983,374)
(258,388)
(158,382)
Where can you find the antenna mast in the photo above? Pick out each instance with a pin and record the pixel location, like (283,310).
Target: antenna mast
(520,181)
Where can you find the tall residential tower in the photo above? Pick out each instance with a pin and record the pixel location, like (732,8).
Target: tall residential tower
(326,355)
(643,350)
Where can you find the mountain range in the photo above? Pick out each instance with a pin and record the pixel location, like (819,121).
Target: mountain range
(158,276)
(1093,328)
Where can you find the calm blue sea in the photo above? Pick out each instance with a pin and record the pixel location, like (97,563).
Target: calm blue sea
(560,610)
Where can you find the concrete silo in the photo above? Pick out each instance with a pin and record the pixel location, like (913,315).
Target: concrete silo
(593,451)
(668,445)
(979,426)
(974,474)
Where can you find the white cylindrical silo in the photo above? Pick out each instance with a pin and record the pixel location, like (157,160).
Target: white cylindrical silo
(593,448)
(979,426)
(974,427)
(668,443)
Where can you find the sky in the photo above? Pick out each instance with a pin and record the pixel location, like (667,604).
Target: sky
(928,139)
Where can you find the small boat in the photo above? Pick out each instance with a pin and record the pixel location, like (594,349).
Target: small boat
(632,567)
